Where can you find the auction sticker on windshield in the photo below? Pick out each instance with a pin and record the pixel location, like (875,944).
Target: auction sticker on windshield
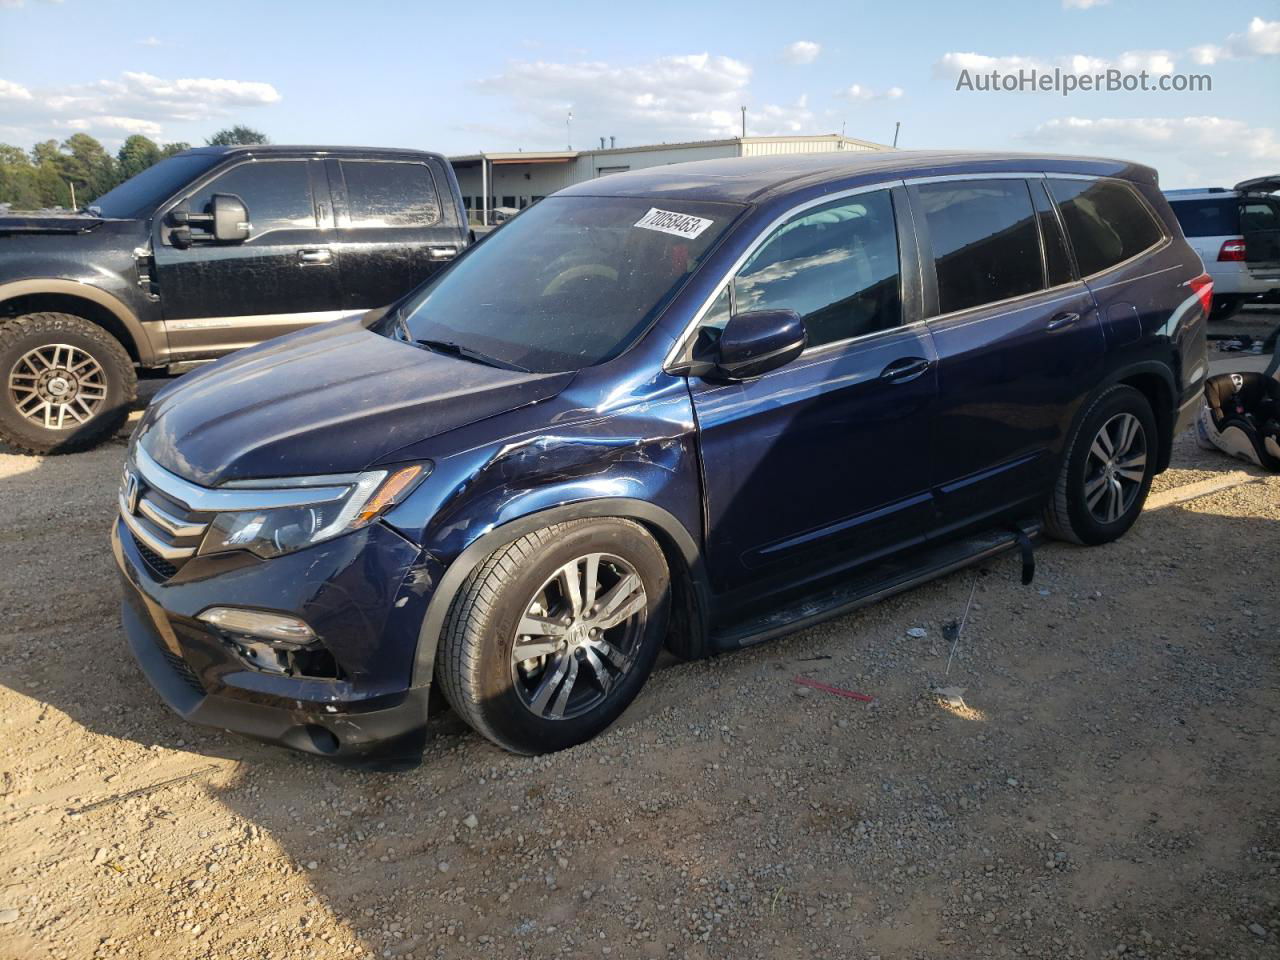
(668,221)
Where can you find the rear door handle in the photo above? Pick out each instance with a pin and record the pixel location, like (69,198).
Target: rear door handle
(905,369)
(442,253)
(315,255)
(1063,320)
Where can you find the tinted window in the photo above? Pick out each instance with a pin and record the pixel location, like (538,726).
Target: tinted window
(277,194)
(1106,222)
(1207,218)
(580,280)
(1258,215)
(389,194)
(985,242)
(836,266)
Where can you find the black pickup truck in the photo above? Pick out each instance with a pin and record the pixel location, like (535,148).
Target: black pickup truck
(211,250)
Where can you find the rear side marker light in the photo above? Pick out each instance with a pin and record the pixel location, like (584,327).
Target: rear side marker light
(1231,250)
(1202,287)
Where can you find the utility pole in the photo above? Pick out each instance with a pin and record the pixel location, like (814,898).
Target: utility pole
(744,122)
(72,185)
(568,129)
(896,126)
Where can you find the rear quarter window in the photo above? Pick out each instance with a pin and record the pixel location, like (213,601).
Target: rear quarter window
(1106,221)
(1208,218)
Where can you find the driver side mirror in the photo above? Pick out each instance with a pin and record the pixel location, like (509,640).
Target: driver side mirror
(754,343)
(230,218)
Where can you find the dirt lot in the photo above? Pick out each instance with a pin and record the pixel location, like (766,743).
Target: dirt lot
(1109,786)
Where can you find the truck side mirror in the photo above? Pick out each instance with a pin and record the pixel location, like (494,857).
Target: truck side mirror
(230,218)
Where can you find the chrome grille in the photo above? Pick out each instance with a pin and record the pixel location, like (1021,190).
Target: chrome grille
(166,530)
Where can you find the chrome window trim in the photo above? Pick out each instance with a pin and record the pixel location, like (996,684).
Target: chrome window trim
(223,500)
(681,342)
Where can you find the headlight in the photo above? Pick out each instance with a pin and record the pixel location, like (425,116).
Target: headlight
(270,533)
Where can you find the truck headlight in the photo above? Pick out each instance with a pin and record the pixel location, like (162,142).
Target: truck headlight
(272,532)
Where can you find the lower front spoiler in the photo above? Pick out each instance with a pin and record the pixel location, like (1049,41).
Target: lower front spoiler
(394,728)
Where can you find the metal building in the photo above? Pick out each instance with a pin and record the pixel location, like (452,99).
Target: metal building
(510,181)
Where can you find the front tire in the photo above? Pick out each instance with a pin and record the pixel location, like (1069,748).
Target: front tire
(553,635)
(66,383)
(1108,470)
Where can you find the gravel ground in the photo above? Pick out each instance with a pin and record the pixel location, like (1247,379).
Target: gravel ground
(1106,785)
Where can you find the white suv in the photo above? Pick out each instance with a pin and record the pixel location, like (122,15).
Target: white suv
(1237,234)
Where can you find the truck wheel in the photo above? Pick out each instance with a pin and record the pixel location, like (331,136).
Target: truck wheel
(1225,307)
(554,634)
(68,384)
(1107,472)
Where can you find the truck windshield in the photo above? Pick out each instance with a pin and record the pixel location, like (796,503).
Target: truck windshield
(569,283)
(140,195)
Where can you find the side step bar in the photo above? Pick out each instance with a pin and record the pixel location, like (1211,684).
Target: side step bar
(881,580)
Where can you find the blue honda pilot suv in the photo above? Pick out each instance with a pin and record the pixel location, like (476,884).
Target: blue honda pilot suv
(695,406)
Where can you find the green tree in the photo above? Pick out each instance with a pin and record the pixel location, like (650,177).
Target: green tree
(11,156)
(239,134)
(136,154)
(86,163)
(45,152)
(169,149)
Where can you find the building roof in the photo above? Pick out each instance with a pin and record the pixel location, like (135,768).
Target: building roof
(755,179)
(544,156)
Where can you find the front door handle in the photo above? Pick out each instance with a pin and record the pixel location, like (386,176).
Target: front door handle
(905,369)
(1063,320)
(442,253)
(315,255)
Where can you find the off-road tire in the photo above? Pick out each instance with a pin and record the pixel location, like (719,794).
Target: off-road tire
(473,660)
(18,335)
(1067,515)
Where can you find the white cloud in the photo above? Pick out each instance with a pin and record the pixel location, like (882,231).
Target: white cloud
(671,98)
(1188,151)
(1083,4)
(149,42)
(132,103)
(1131,61)
(1261,39)
(857,93)
(781,119)
(802,51)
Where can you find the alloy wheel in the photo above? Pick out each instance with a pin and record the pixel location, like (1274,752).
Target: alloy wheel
(579,636)
(1115,469)
(57,386)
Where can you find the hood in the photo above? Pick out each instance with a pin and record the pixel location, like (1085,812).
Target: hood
(333,400)
(48,223)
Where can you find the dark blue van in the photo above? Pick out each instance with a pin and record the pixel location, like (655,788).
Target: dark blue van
(696,406)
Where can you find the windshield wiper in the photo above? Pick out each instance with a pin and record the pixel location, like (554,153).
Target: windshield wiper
(402,325)
(466,353)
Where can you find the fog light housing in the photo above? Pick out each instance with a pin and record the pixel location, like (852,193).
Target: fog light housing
(273,627)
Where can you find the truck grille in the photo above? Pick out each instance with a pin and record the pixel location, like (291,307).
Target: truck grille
(167,532)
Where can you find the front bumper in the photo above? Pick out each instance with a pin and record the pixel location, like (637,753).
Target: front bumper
(371,627)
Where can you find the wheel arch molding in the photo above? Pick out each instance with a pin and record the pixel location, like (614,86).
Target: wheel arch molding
(677,543)
(55,295)
(1152,378)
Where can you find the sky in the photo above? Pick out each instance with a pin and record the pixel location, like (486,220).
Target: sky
(460,78)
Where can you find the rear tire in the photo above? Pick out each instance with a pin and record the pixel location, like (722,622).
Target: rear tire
(571,671)
(1107,471)
(65,383)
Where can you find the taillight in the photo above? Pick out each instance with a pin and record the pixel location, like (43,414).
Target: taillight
(1232,250)
(1202,287)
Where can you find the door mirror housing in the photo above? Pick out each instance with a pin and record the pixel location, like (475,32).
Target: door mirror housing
(754,343)
(230,218)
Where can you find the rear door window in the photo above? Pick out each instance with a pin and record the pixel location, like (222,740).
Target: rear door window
(1106,221)
(836,266)
(387,194)
(1208,218)
(985,242)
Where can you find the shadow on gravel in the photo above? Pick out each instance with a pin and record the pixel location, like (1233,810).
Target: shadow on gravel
(724,809)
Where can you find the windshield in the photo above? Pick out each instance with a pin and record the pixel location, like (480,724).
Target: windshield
(139,196)
(571,282)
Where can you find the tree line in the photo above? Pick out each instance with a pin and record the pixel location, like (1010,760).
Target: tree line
(51,173)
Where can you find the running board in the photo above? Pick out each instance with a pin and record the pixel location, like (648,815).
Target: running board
(877,582)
